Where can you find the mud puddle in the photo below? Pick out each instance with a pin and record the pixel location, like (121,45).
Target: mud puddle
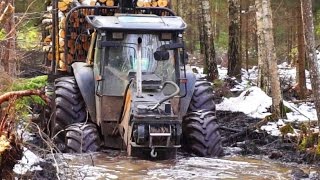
(104,166)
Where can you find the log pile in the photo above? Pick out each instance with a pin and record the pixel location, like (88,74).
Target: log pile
(152,3)
(72,44)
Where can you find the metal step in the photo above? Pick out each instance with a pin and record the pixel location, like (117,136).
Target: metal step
(160,134)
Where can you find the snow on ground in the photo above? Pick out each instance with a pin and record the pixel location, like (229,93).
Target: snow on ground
(253,102)
(27,163)
(256,103)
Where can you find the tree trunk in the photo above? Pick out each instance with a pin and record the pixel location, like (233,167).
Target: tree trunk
(247,40)
(9,57)
(270,54)
(272,59)
(210,61)
(263,76)
(311,51)
(301,78)
(201,29)
(234,60)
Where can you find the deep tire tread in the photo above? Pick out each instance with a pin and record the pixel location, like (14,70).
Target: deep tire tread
(197,135)
(200,130)
(82,138)
(202,98)
(69,107)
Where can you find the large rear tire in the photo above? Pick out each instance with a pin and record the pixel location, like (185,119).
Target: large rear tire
(201,134)
(69,108)
(200,131)
(202,98)
(82,138)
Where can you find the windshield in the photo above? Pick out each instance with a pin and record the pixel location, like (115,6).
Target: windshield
(122,60)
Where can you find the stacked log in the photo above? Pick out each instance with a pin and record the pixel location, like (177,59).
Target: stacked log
(72,44)
(152,3)
(76,43)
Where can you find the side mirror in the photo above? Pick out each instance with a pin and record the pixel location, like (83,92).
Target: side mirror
(161,55)
(184,58)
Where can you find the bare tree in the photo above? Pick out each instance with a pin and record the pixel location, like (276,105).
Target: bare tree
(263,76)
(268,52)
(301,75)
(210,60)
(201,29)
(234,60)
(9,56)
(311,52)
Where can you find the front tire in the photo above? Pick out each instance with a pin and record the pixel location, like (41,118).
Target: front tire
(82,138)
(69,108)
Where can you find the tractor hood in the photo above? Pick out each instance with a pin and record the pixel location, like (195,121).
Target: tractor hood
(140,22)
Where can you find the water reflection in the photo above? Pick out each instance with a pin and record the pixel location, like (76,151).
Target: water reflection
(118,166)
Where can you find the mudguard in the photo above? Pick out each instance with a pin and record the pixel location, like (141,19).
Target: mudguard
(85,79)
(185,101)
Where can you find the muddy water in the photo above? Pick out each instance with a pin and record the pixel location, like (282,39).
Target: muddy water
(117,166)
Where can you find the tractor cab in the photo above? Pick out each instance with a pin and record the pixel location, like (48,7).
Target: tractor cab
(123,41)
(137,68)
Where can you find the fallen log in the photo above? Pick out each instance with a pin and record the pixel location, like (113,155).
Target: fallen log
(245,131)
(18,94)
(110,3)
(162,3)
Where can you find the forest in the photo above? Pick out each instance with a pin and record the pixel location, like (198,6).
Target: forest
(255,99)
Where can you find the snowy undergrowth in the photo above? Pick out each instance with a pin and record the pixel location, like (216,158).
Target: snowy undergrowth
(256,103)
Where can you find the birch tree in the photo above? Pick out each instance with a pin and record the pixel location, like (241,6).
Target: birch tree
(301,75)
(209,52)
(234,60)
(268,53)
(311,52)
(263,76)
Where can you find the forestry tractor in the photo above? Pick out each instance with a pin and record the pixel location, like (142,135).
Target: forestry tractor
(129,88)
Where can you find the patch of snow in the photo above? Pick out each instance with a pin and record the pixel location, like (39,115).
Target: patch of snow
(27,163)
(301,112)
(223,72)
(272,128)
(232,150)
(280,122)
(253,102)
(26,135)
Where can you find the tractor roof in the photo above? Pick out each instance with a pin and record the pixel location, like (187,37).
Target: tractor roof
(137,22)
